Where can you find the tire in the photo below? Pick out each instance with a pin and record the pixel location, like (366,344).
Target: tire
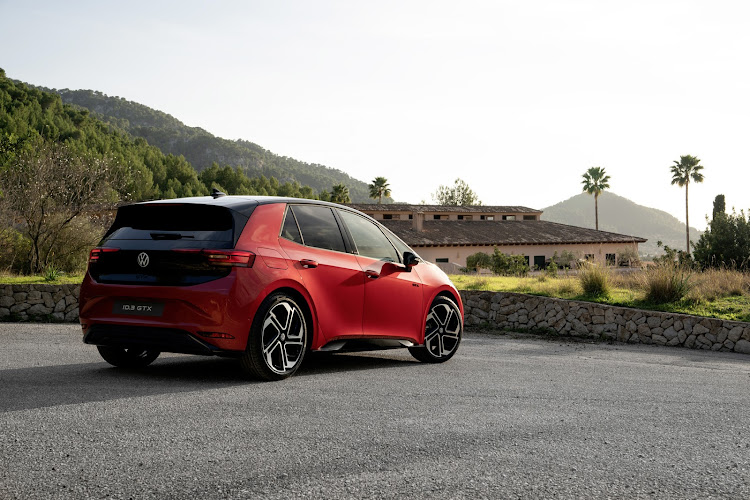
(278,339)
(443,330)
(127,357)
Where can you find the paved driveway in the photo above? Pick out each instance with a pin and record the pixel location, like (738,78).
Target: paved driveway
(507,417)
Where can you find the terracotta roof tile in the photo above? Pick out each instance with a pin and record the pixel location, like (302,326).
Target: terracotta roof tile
(404,207)
(488,233)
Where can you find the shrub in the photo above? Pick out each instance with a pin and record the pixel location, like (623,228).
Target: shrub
(667,282)
(594,280)
(552,268)
(479,260)
(52,273)
(566,260)
(509,265)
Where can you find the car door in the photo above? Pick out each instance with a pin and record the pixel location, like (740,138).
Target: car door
(393,296)
(313,241)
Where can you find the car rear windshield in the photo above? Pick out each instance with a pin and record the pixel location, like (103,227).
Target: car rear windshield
(176,224)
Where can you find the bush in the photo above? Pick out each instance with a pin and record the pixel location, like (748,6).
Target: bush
(14,251)
(667,282)
(479,260)
(594,280)
(552,268)
(509,265)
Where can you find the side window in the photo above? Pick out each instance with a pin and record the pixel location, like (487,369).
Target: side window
(319,227)
(368,238)
(401,247)
(290,230)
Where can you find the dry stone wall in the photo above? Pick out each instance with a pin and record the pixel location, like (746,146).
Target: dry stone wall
(517,311)
(39,302)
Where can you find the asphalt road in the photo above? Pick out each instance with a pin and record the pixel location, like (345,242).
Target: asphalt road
(508,417)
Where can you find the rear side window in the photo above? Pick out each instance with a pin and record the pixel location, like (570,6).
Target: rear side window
(290,230)
(368,238)
(319,227)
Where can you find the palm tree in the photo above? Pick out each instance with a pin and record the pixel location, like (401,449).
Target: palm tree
(687,168)
(340,194)
(595,180)
(379,188)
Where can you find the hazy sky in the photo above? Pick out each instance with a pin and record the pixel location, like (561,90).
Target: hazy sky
(517,98)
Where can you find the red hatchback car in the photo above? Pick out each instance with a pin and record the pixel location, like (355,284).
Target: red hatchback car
(264,279)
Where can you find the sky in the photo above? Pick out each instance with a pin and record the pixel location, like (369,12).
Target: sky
(516,98)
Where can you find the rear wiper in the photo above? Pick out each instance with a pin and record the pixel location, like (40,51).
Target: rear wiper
(170,236)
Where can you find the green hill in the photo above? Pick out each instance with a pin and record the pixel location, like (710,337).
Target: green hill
(620,215)
(202,149)
(29,114)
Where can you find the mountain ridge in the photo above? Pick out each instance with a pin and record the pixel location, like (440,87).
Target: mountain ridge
(620,215)
(202,149)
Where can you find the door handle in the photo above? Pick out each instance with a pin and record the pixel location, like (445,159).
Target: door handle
(372,274)
(308,264)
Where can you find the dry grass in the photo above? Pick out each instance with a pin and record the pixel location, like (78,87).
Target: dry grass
(722,293)
(718,283)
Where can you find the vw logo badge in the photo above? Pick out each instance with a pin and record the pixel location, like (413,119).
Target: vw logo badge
(143,259)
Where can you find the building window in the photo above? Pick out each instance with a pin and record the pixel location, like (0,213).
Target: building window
(439,217)
(387,216)
(509,217)
(441,261)
(411,216)
(465,217)
(589,257)
(529,217)
(539,262)
(486,217)
(611,259)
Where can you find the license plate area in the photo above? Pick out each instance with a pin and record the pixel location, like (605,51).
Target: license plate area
(138,308)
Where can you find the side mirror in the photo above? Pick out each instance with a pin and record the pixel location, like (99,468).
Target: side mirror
(410,260)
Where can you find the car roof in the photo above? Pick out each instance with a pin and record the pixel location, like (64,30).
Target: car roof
(242,204)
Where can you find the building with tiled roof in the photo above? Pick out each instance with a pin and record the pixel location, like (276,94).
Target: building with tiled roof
(447,235)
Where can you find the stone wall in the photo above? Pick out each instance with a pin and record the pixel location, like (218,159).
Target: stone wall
(39,302)
(517,311)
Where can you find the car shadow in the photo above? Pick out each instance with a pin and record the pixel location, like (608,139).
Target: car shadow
(46,386)
(318,363)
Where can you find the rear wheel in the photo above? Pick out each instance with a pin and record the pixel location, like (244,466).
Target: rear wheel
(442,334)
(127,357)
(278,339)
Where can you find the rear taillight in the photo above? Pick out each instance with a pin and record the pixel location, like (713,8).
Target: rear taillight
(228,258)
(97,252)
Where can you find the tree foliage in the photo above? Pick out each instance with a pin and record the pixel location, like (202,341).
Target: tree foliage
(47,188)
(379,188)
(720,205)
(340,194)
(64,160)
(201,149)
(726,241)
(595,181)
(459,194)
(683,171)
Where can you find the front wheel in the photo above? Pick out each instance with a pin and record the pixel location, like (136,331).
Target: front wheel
(278,339)
(127,357)
(442,334)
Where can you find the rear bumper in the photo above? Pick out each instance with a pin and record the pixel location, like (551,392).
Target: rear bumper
(210,318)
(151,338)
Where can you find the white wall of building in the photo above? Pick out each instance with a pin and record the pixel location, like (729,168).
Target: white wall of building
(458,254)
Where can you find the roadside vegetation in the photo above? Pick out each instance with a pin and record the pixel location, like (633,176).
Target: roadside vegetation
(718,292)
